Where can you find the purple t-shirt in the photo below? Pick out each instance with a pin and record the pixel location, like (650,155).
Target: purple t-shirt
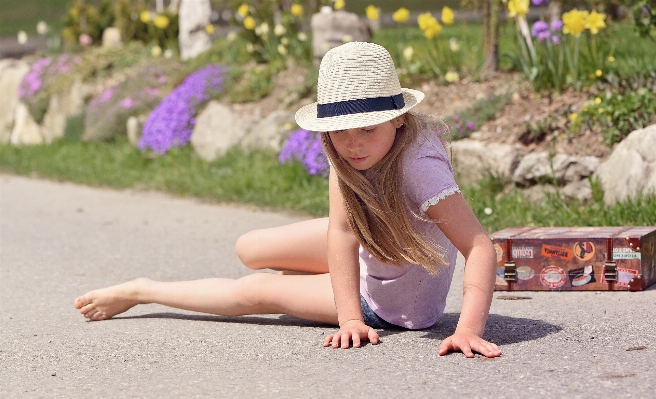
(409,296)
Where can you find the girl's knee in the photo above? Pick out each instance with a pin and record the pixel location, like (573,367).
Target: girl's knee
(248,293)
(244,248)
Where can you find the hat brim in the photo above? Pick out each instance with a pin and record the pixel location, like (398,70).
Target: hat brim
(306,117)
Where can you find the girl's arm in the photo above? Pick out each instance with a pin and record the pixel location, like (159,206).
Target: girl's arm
(457,221)
(344,270)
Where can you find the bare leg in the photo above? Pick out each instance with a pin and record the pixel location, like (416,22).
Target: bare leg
(299,247)
(308,297)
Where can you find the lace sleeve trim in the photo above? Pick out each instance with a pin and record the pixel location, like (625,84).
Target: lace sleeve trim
(439,197)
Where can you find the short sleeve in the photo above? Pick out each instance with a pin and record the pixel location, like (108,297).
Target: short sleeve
(429,177)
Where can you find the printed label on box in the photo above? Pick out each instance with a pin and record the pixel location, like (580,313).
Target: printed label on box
(584,250)
(500,276)
(623,276)
(553,277)
(551,251)
(525,273)
(522,252)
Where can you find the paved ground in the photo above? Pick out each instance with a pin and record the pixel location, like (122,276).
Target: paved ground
(60,240)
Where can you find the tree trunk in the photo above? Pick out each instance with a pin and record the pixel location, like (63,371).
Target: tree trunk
(491,32)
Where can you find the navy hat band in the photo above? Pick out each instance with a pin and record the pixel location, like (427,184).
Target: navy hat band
(360,106)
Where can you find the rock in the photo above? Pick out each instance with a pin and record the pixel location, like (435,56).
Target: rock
(193,17)
(579,190)
(11,76)
(111,37)
(270,132)
(631,167)
(331,29)
(133,126)
(473,159)
(539,193)
(60,107)
(217,130)
(560,169)
(26,131)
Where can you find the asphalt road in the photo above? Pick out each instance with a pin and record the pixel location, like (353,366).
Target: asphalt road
(60,240)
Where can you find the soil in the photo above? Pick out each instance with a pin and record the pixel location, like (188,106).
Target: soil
(538,122)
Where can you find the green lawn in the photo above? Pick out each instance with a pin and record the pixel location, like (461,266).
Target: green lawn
(24,14)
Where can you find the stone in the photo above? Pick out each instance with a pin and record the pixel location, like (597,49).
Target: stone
(111,38)
(11,76)
(559,169)
(539,193)
(473,159)
(60,108)
(270,132)
(217,130)
(631,167)
(331,29)
(580,190)
(134,130)
(26,131)
(193,17)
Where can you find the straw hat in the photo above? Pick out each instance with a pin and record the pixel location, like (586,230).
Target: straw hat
(358,86)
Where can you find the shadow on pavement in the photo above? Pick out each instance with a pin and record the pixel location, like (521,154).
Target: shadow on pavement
(502,330)
(276,320)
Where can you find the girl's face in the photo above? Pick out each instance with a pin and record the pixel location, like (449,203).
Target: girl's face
(364,147)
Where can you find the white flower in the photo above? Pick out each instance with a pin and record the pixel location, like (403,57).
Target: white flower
(408,52)
(249,47)
(451,77)
(487,211)
(302,36)
(231,36)
(347,38)
(284,41)
(282,49)
(156,51)
(454,45)
(42,28)
(279,30)
(264,28)
(168,53)
(21,37)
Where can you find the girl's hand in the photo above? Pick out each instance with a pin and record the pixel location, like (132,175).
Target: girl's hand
(352,330)
(467,342)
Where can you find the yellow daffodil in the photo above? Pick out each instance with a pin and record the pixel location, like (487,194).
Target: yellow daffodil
(598,73)
(574,22)
(284,41)
(231,36)
(144,16)
(209,28)
(156,51)
(601,110)
(408,52)
(611,58)
(573,116)
(339,4)
(451,77)
(447,16)
(249,23)
(517,8)
(297,10)
(401,15)
(585,109)
(282,49)
(243,10)
(372,13)
(595,21)
(423,20)
(161,21)
(302,36)
(597,100)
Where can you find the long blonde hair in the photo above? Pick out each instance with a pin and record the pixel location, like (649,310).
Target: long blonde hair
(377,210)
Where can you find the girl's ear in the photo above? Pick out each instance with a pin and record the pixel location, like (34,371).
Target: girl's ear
(399,121)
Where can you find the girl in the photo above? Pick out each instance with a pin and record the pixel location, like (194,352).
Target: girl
(385,255)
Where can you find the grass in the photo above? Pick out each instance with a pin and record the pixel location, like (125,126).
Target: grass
(243,177)
(24,14)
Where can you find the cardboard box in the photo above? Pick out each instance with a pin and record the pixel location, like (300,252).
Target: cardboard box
(575,258)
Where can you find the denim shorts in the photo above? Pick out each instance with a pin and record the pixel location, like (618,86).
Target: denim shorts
(372,319)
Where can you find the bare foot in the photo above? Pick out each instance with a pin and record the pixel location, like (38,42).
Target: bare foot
(107,302)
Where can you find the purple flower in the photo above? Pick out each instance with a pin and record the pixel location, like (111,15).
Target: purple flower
(305,146)
(456,118)
(127,103)
(471,126)
(556,25)
(540,31)
(539,2)
(173,121)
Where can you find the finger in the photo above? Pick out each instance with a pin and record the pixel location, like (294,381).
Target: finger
(356,340)
(346,339)
(328,340)
(445,347)
(466,349)
(373,336)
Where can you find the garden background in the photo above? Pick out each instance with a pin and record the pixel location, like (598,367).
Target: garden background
(585,77)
